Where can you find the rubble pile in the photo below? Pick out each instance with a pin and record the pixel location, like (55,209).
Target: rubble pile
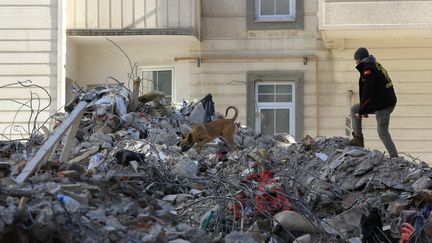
(126,180)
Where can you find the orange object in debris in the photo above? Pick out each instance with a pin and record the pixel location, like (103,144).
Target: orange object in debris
(270,198)
(260,177)
(235,207)
(66,173)
(270,195)
(406,232)
(20,164)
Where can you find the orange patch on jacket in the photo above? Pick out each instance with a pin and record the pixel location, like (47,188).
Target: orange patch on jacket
(367,72)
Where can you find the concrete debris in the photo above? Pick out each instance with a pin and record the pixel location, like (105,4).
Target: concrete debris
(293,221)
(126,180)
(423,183)
(239,237)
(322,156)
(304,239)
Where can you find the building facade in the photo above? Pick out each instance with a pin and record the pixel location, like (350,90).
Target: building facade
(32,47)
(287,64)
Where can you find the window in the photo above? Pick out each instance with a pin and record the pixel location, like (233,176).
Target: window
(159,80)
(274,14)
(275,10)
(275,102)
(275,105)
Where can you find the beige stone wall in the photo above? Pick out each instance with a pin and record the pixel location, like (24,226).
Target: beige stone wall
(398,34)
(28,50)
(224,34)
(71,57)
(96,59)
(71,67)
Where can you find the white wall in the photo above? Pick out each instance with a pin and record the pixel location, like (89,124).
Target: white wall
(28,50)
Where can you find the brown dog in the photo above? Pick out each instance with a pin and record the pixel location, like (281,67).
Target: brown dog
(204,133)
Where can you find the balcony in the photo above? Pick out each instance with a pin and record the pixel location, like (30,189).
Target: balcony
(358,19)
(133,17)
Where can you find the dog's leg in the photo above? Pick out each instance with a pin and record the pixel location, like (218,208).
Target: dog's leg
(201,144)
(231,142)
(228,134)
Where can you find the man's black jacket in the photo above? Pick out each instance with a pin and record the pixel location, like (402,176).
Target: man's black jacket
(376,88)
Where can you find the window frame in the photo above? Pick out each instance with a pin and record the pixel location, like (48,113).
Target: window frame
(142,69)
(254,23)
(291,106)
(270,18)
(279,77)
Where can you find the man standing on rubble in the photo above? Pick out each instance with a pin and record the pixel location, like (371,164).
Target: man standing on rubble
(376,96)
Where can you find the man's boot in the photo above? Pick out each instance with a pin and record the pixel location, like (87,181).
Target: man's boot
(357,140)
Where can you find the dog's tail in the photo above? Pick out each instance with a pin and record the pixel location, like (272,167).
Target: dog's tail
(235,114)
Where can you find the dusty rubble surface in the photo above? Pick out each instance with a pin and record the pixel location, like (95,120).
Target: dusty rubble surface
(126,180)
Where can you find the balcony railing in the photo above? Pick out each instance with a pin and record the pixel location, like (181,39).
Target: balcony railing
(133,17)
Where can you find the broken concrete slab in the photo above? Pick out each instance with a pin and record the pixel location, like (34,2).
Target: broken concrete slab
(423,183)
(304,239)
(170,198)
(186,168)
(239,237)
(366,166)
(345,222)
(291,220)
